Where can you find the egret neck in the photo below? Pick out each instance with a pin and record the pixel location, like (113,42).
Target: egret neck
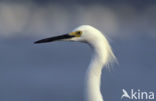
(102,55)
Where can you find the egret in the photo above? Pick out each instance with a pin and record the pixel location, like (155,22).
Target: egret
(103,56)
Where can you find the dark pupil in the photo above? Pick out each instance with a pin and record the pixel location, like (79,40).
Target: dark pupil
(78,32)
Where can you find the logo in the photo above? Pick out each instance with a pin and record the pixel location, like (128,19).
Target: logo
(137,95)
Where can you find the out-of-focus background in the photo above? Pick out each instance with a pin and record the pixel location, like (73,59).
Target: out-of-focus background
(55,71)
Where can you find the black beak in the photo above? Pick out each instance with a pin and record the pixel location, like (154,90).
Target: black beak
(55,38)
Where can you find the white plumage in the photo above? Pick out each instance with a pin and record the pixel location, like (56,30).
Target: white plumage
(102,56)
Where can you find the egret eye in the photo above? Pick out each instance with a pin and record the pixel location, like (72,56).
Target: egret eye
(78,33)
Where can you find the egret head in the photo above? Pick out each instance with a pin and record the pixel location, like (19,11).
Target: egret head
(84,33)
(90,35)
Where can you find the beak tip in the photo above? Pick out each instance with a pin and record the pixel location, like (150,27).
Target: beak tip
(36,42)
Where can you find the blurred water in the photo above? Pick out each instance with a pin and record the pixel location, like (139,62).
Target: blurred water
(56,71)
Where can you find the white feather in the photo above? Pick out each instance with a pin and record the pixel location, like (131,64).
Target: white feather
(102,57)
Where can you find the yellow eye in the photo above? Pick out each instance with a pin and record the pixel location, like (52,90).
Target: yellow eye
(78,33)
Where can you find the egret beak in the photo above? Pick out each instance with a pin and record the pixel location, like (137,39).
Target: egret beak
(55,38)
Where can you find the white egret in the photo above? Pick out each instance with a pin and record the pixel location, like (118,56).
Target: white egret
(103,56)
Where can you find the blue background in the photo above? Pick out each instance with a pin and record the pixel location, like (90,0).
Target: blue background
(55,71)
